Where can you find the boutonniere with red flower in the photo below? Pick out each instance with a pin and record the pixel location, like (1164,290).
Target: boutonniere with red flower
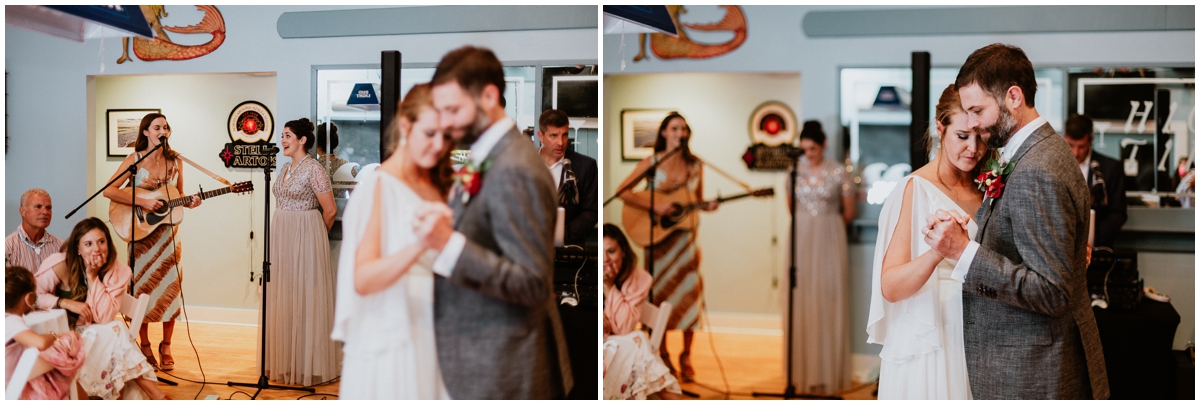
(991,181)
(469,179)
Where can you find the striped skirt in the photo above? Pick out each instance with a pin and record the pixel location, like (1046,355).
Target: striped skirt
(155,261)
(677,278)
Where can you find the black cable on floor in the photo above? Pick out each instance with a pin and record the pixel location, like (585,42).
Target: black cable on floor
(183,308)
(712,343)
(239,392)
(315,394)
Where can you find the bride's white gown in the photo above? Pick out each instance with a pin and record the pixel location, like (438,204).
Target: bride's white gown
(922,336)
(390,350)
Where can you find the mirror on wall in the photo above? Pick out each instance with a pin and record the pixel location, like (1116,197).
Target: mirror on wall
(1124,104)
(876,113)
(575,90)
(358,126)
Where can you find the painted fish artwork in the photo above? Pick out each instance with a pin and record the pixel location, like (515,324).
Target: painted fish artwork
(161,47)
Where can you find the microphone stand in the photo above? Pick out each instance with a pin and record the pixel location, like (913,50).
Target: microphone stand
(136,212)
(263,382)
(790,391)
(647,174)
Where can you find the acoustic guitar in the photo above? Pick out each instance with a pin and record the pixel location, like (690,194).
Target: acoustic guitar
(121,215)
(638,221)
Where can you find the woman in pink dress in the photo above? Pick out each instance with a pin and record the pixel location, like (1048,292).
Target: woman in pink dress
(88,282)
(631,370)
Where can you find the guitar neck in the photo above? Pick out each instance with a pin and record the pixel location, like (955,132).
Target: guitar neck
(756,193)
(719,200)
(203,196)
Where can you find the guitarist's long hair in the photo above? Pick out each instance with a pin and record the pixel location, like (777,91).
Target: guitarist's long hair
(627,257)
(660,144)
(418,99)
(143,142)
(76,266)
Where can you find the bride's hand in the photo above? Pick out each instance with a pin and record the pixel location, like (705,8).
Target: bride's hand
(435,225)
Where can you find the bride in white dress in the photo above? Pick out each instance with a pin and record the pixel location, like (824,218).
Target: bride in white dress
(916,307)
(385,283)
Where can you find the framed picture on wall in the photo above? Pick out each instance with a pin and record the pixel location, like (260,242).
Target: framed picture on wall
(123,129)
(639,130)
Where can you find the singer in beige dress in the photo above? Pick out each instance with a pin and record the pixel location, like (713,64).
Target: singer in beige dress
(300,293)
(823,203)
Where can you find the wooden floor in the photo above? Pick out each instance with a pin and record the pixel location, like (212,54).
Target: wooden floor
(227,353)
(752,363)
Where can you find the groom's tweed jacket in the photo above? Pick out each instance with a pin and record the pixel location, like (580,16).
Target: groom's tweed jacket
(498,331)
(1028,324)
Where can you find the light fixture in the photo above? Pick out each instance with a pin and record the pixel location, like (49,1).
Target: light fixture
(363,97)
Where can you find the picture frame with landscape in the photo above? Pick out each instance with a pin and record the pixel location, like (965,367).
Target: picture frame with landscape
(123,129)
(639,130)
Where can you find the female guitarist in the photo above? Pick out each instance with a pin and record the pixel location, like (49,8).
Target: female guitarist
(676,257)
(158,254)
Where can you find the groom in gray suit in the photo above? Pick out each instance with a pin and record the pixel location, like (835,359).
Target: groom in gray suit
(1028,327)
(498,331)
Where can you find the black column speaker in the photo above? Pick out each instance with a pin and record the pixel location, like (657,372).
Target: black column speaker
(389,98)
(919,128)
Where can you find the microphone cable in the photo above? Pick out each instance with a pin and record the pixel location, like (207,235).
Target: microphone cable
(183,309)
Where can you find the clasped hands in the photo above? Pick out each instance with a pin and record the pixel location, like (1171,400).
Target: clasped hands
(946,233)
(434,224)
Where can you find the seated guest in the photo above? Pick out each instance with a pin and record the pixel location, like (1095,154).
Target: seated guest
(574,175)
(1105,177)
(86,280)
(61,350)
(30,243)
(631,369)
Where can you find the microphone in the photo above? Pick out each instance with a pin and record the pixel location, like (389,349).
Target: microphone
(683,143)
(163,141)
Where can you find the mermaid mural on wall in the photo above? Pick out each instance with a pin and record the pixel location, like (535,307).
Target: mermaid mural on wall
(161,47)
(669,47)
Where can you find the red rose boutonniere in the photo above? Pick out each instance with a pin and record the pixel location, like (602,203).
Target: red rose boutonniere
(469,179)
(991,181)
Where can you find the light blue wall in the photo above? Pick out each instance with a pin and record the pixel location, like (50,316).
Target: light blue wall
(776,43)
(47,85)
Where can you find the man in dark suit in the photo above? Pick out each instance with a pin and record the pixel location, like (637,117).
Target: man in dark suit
(498,330)
(574,175)
(1028,327)
(1105,177)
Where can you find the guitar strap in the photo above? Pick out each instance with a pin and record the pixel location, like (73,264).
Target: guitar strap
(205,171)
(727,175)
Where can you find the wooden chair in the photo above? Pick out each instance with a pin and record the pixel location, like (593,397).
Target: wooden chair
(135,309)
(655,318)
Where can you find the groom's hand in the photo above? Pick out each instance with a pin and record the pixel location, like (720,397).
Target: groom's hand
(945,232)
(435,225)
